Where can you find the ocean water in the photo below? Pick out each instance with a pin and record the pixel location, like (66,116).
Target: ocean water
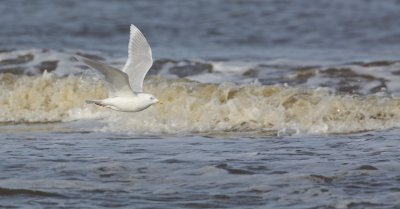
(267,104)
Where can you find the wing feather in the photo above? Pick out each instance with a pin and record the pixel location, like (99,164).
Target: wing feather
(139,59)
(116,80)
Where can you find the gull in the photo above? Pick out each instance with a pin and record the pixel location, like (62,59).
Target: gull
(125,87)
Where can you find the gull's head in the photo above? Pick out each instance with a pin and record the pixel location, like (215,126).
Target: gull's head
(150,99)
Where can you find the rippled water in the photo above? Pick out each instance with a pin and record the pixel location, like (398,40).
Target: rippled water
(267,104)
(226,29)
(54,166)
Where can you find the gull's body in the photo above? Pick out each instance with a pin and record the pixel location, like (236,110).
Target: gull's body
(125,88)
(133,103)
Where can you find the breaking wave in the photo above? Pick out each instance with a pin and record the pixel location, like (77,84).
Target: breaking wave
(45,98)
(191,106)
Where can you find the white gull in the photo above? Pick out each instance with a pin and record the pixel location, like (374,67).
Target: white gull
(125,88)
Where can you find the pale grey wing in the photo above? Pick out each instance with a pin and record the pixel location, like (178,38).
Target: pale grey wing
(139,59)
(117,81)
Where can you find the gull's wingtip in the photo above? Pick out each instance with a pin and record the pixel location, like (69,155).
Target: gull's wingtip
(79,57)
(133,29)
(136,32)
(133,26)
(83,59)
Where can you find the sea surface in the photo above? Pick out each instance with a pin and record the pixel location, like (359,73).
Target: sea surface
(267,104)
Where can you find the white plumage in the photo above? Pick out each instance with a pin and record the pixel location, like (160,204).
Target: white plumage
(125,88)
(139,59)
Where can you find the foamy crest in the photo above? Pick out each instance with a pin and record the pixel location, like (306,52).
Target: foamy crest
(196,107)
(192,107)
(45,98)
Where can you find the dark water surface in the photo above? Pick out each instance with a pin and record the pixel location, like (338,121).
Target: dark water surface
(225,29)
(60,168)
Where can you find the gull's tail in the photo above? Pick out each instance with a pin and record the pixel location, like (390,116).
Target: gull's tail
(96,102)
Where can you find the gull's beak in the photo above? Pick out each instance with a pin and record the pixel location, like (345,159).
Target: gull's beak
(158,102)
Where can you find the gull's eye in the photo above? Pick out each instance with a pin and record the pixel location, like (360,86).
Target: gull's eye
(152,98)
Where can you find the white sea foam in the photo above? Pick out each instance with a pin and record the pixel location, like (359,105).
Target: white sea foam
(230,96)
(197,107)
(44,98)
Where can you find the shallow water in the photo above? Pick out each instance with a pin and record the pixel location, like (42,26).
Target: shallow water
(55,165)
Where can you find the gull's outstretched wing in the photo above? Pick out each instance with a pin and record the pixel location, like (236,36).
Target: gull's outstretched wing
(117,81)
(139,59)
